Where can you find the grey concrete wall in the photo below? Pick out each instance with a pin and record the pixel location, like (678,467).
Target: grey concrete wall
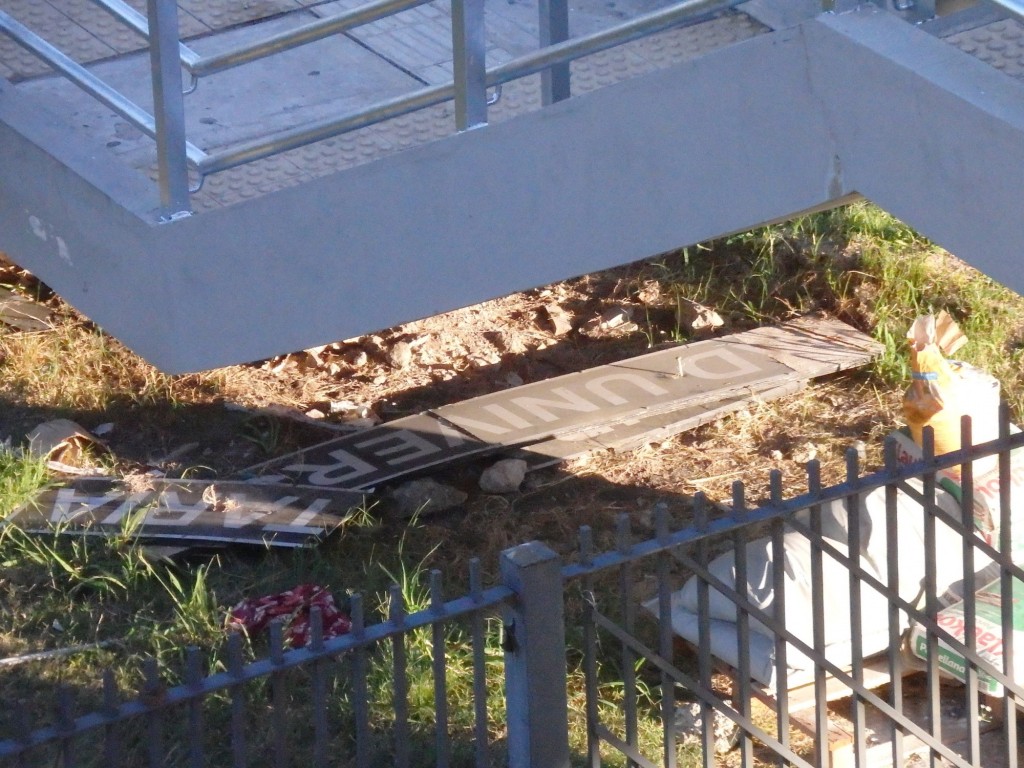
(754,132)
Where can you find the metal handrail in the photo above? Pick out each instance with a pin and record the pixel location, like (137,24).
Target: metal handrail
(522,66)
(88,82)
(121,11)
(469,87)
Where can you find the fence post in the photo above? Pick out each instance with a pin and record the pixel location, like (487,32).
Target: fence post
(538,721)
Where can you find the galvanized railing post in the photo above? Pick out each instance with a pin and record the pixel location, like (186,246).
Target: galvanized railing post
(168,107)
(535,672)
(554,28)
(469,67)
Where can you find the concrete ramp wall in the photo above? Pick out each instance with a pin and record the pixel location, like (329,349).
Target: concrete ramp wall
(761,130)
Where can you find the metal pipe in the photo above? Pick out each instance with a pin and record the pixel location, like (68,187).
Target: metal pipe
(325,129)
(608,38)
(469,66)
(307,33)
(87,81)
(428,97)
(168,108)
(123,12)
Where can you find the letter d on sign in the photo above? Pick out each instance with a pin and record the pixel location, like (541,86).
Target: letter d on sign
(718,364)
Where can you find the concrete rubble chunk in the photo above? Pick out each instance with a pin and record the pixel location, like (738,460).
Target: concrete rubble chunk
(505,476)
(425,496)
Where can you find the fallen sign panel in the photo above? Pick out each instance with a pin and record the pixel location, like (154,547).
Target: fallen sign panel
(189,511)
(568,415)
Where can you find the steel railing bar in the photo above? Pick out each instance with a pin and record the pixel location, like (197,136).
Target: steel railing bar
(318,688)
(970,588)
(779,612)
(893,580)
(307,33)
(111,737)
(194,679)
(236,670)
(703,553)
(821,724)
(854,546)
(769,621)
(65,716)
(151,691)
(442,746)
(480,733)
(700,691)
(631,752)
(742,684)
(168,108)
(469,64)
(627,609)
(138,22)
(400,677)
(283,141)
(722,526)
(360,693)
(666,639)
(931,598)
(87,81)
(755,731)
(553,24)
(586,550)
(1006,584)
(278,697)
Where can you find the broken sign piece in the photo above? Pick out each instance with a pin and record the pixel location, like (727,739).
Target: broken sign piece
(293,607)
(21,313)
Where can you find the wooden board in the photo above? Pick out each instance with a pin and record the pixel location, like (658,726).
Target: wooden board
(612,406)
(21,313)
(189,511)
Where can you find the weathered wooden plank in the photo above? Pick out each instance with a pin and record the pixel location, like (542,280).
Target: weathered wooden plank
(611,406)
(21,313)
(189,511)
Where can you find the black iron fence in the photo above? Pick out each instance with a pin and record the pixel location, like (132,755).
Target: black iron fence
(859,624)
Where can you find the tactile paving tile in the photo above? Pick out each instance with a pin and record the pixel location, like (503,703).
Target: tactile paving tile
(188,25)
(253,179)
(1000,44)
(685,43)
(219,14)
(52,25)
(103,25)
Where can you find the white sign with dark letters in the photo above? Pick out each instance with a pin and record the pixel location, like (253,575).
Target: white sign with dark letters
(638,391)
(189,511)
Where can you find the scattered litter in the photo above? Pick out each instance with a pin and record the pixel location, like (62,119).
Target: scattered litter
(616,321)
(103,430)
(425,496)
(253,615)
(56,653)
(505,476)
(23,314)
(698,319)
(315,414)
(63,443)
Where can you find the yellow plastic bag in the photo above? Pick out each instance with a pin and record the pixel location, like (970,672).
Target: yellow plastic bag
(943,390)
